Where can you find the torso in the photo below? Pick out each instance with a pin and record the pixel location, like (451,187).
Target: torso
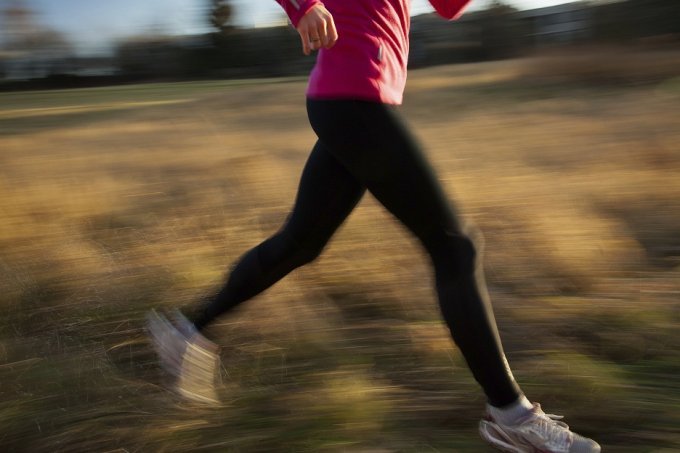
(369,59)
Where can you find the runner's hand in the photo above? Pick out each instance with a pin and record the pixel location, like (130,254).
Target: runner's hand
(317,30)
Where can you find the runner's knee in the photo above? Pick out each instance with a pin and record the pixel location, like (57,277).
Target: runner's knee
(455,253)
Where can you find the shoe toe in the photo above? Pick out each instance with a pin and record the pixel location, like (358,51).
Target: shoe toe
(582,444)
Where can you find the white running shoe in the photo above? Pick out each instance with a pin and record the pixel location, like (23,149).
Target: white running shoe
(187,356)
(168,342)
(537,433)
(200,375)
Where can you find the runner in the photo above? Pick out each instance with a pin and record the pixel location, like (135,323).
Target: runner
(358,79)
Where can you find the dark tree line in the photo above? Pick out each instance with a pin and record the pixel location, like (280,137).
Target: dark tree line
(500,31)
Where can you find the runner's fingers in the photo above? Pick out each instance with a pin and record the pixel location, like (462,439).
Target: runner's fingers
(316,35)
(331,33)
(323,34)
(317,30)
(304,36)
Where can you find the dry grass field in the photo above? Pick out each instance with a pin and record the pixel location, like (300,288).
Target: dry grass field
(116,200)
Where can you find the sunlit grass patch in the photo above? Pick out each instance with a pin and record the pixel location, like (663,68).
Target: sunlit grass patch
(50,111)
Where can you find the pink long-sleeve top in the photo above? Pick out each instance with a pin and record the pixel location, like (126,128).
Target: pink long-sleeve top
(368,62)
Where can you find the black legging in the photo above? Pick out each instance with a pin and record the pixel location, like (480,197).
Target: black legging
(363,145)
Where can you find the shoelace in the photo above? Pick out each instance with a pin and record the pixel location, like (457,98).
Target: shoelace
(555,433)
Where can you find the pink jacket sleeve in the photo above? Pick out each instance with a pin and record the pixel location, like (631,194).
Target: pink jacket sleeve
(297,8)
(449,9)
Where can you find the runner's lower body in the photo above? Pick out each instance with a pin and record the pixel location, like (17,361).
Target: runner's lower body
(364,146)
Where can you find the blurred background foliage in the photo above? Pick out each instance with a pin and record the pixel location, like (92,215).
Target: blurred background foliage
(34,55)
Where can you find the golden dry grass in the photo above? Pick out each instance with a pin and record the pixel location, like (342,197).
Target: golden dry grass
(119,199)
(603,65)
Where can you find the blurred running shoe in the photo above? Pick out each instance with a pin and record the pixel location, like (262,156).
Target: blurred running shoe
(187,356)
(536,433)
